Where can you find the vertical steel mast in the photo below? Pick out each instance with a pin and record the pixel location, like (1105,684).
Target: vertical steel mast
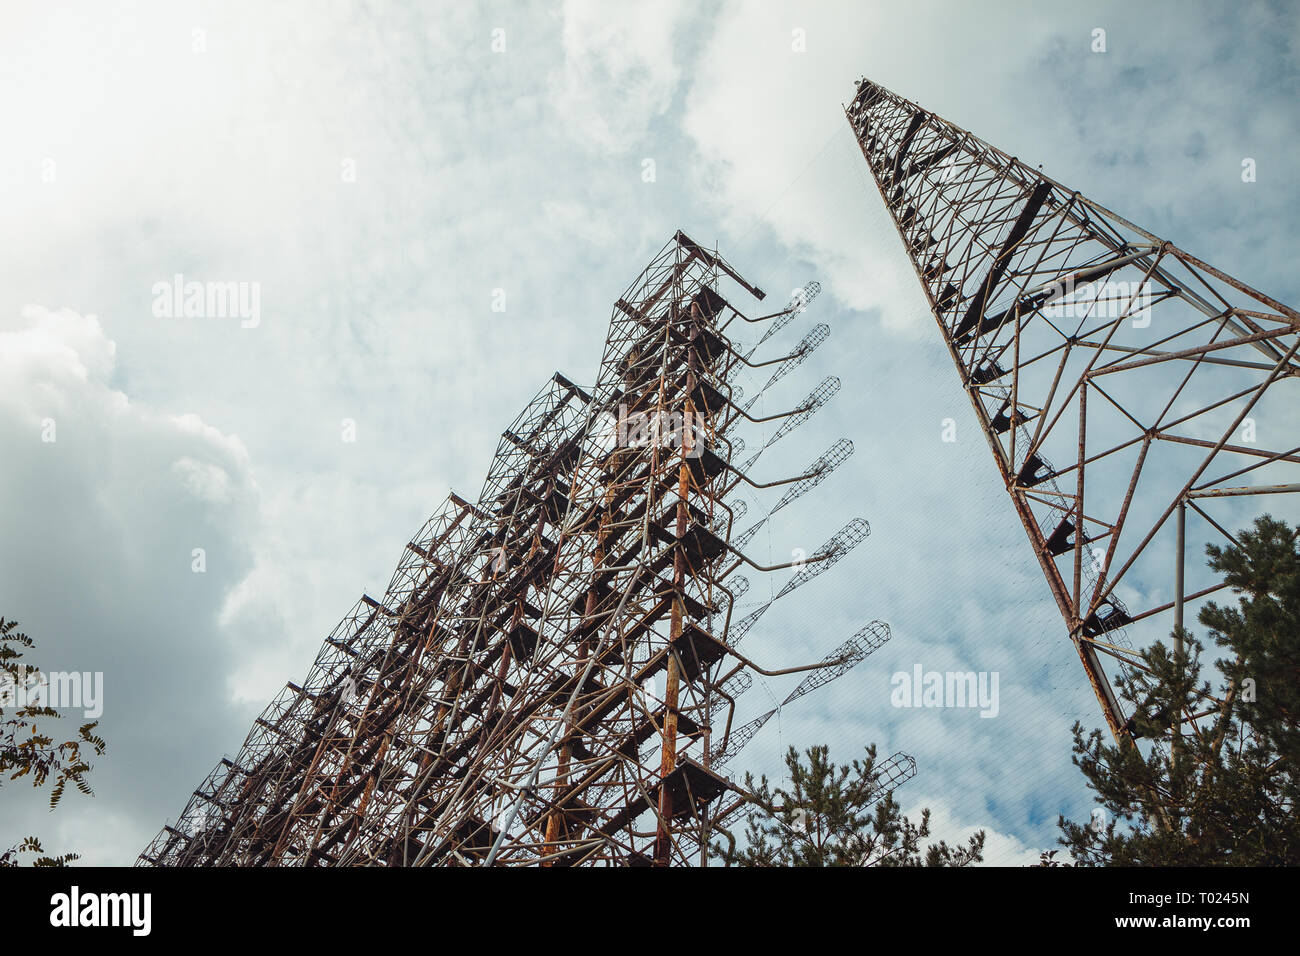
(1132,394)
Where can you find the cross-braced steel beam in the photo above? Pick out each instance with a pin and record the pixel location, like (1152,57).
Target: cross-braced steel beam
(1125,387)
(551,677)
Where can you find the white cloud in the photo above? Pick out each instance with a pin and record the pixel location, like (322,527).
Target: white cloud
(52,347)
(1000,849)
(621,69)
(107,500)
(204,480)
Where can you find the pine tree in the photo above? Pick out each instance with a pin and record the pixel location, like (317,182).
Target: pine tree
(1227,793)
(834,816)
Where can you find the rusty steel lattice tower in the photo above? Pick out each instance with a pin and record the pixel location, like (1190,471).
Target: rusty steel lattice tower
(552,674)
(1132,394)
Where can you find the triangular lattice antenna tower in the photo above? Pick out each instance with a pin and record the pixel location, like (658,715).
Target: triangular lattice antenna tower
(1139,402)
(551,677)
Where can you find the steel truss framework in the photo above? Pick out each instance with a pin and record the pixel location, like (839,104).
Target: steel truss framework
(552,674)
(1131,393)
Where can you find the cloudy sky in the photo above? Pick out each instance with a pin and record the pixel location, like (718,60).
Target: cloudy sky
(384,173)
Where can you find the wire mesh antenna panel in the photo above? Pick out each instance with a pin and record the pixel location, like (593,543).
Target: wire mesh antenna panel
(1136,399)
(551,677)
